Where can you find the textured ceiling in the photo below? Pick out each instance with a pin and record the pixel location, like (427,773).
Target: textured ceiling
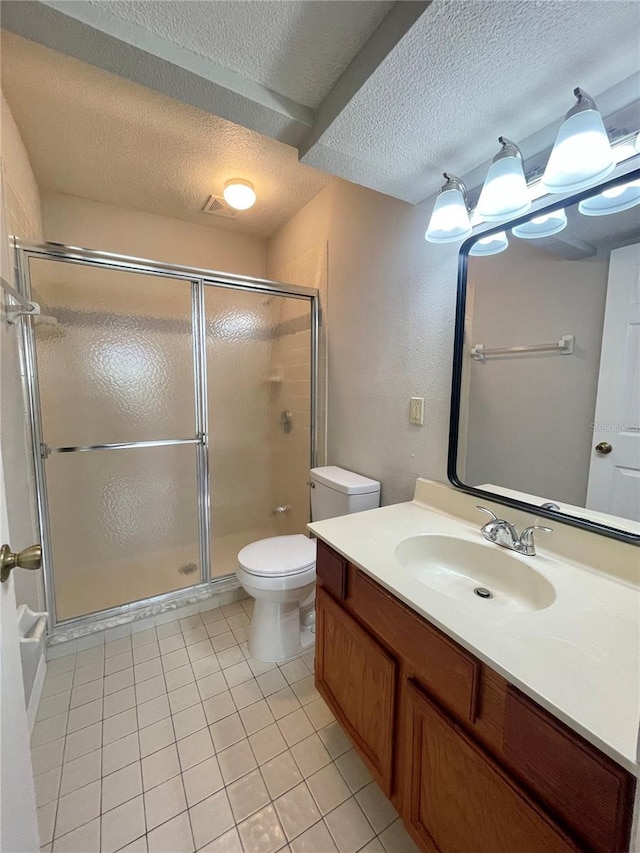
(431,89)
(467,72)
(93,134)
(297,48)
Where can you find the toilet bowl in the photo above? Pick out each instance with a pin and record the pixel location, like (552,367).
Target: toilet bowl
(280,572)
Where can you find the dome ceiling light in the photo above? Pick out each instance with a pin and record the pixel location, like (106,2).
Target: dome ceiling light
(239,194)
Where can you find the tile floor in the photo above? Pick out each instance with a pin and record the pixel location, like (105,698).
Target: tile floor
(173,740)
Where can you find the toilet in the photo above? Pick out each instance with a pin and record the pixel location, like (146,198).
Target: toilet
(280,572)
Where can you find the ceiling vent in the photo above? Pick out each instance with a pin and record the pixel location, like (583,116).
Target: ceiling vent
(217,206)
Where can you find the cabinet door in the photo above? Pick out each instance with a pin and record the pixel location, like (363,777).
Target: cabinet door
(461,800)
(357,678)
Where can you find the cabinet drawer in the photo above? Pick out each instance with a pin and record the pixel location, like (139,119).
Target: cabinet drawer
(450,673)
(331,570)
(583,787)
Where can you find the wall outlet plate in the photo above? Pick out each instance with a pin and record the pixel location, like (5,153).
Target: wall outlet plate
(416,411)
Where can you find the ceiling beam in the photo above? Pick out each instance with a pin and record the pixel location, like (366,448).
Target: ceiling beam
(83,31)
(383,40)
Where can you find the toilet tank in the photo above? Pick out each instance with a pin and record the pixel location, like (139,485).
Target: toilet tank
(336,491)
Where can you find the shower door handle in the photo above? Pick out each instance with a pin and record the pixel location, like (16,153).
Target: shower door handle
(30,558)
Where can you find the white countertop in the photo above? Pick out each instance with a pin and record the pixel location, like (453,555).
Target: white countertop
(579,657)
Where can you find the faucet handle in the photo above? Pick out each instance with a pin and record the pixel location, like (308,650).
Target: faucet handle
(526,543)
(494,517)
(527,533)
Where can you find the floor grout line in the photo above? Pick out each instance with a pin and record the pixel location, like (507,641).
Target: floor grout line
(226,659)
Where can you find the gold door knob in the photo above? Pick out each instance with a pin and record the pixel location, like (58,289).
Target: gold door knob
(603,448)
(30,558)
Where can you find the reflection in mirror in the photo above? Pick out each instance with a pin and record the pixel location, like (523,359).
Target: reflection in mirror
(550,388)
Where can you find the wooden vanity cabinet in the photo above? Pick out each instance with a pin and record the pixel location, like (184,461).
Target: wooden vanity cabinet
(358,678)
(461,800)
(471,764)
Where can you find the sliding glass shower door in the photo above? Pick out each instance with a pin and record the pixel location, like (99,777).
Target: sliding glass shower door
(172,414)
(115,355)
(259,401)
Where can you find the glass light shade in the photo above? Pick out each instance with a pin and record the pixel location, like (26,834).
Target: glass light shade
(542,226)
(505,193)
(582,155)
(492,245)
(239,194)
(613,200)
(624,151)
(450,218)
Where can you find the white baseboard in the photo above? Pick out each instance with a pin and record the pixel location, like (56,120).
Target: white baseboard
(36,692)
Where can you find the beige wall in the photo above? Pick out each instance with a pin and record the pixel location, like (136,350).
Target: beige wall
(290,392)
(90,224)
(529,418)
(291,451)
(390,318)
(21,211)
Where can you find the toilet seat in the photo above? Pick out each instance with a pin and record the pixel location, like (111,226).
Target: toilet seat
(278,556)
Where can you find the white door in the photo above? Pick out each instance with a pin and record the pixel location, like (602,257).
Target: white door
(18,826)
(614,472)
(18,823)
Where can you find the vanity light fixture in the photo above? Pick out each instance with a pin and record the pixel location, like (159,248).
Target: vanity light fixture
(624,149)
(582,154)
(505,194)
(450,218)
(239,194)
(491,245)
(544,225)
(613,200)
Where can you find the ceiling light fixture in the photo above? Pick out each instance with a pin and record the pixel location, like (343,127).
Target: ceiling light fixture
(450,218)
(582,153)
(614,200)
(491,245)
(239,194)
(542,226)
(505,193)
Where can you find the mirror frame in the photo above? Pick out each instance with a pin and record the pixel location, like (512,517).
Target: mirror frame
(458,357)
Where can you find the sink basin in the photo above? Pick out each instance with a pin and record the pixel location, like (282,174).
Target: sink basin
(458,567)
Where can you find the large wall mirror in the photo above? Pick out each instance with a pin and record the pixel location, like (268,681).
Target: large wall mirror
(546,393)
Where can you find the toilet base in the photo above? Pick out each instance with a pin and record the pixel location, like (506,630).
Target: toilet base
(275,635)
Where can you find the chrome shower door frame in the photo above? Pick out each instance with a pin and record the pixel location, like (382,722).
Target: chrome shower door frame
(199,279)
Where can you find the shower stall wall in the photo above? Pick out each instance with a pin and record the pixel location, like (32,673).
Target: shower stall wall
(172,412)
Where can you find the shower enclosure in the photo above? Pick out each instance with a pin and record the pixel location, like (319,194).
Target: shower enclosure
(172,412)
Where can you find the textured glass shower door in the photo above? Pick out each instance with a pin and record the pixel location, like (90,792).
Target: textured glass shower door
(259,399)
(118,398)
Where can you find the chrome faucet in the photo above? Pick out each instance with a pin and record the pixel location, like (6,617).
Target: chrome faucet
(503,533)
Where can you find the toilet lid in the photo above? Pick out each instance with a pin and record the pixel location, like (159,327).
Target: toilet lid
(278,555)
